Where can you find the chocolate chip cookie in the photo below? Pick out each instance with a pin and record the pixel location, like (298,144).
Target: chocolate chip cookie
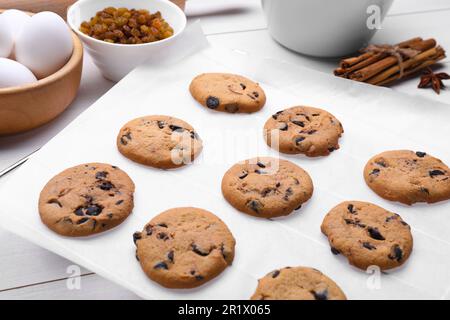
(86,199)
(408,177)
(299,283)
(266,187)
(184,247)
(227,93)
(368,235)
(310,131)
(159,141)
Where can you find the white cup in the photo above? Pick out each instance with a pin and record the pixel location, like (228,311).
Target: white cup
(324,28)
(117,60)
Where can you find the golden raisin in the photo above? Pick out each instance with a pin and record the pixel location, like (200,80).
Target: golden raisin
(125,26)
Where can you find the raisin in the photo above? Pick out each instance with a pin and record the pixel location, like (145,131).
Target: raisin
(368,245)
(299,123)
(299,139)
(375,233)
(161,265)
(101,175)
(276,273)
(170,256)
(396,254)
(255,205)
(323,295)
(212,102)
(434,173)
(199,251)
(421,154)
(106,186)
(137,236)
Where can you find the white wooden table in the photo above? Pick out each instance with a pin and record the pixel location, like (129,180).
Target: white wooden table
(30,272)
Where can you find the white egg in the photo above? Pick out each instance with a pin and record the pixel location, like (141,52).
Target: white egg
(6,38)
(15,19)
(44,44)
(14,74)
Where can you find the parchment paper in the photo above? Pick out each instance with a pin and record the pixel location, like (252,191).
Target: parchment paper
(375,119)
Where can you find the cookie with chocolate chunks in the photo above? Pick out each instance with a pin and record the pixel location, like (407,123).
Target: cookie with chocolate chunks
(299,283)
(159,141)
(368,235)
(266,187)
(303,130)
(184,247)
(227,93)
(408,177)
(86,199)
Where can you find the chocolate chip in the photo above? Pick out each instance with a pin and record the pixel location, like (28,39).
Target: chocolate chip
(243,174)
(199,251)
(255,205)
(275,116)
(316,114)
(212,102)
(322,295)
(381,163)
(288,193)
(434,173)
(299,123)
(299,139)
(260,164)
(137,236)
(199,277)
(331,149)
(161,124)
(368,245)
(90,210)
(260,171)
(375,233)
(161,265)
(162,236)
(125,138)
(298,208)
(162,225)
(55,201)
(256,94)
(283,126)
(222,250)
(170,255)
(375,172)
(110,215)
(391,218)
(355,222)
(424,190)
(335,251)
(396,254)
(278,185)
(243,86)
(101,175)
(82,220)
(119,202)
(149,230)
(250,96)
(421,154)
(136,256)
(311,131)
(350,209)
(176,128)
(276,273)
(106,186)
(194,135)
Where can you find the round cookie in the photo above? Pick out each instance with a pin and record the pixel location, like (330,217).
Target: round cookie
(266,187)
(368,235)
(408,177)
(86,199)
(159,141)
(311,131)
(299,283)
(184,247)
(227,93)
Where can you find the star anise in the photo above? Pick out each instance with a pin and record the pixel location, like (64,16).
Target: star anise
(434,79)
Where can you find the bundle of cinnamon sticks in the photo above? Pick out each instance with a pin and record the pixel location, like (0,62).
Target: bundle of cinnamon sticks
(382,65)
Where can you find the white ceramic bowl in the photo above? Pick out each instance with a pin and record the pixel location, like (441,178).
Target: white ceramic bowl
(116,60)
(322,28)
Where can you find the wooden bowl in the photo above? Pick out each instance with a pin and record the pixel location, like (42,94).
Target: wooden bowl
(27,107)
